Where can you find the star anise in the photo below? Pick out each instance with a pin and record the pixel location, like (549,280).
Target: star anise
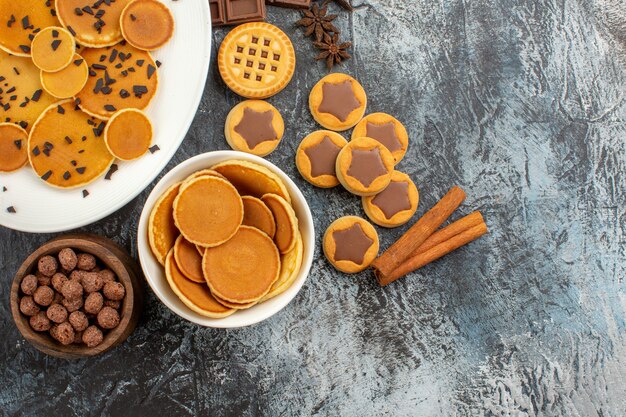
(317,22)
(345,4)
(332,51)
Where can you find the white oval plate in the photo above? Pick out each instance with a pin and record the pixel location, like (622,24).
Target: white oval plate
(185,59)
(155,275)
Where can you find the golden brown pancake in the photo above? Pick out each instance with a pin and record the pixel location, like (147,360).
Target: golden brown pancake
(66,147)
(195,296)
(290,264)
(22,99)
(243,269)
(236,306)
(120,77)
(69,81)
(188,260)
(252,179)
(20,20)
(208,211)
(128,134)
(162,231)
(204,173)
(92,26)
(147,24)
(13,147)
(286,222)
(257,214)
(53,49)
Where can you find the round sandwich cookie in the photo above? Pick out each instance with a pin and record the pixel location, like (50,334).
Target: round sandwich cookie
(256,60)
(194,295)
(22,98)
(13,147)
(66,148)
(286,222)
(257,214)
(69,81)
(351,244)
(188,260)
(243,269)
(147,24)
(208,211)
(396,204)
(21,20)
(94,24)
(128,134)
(364,166)
(53,49)
(337,102)
(254,126)
(120,77)
(162,230)
(387,130)
(252,179)
(316,157)
(290,264)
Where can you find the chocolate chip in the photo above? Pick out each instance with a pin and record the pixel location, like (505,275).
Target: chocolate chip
(55,33)
(55,44)
(60,109)
(81,170)
(37,95)
(109,107)
(151,70)
(18,143)
(85,193)
(68,140)
(11,210)
(154,149)
(46,175)
(111,171)
(67,175)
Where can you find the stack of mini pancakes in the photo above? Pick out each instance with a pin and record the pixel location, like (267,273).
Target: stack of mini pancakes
(227,237)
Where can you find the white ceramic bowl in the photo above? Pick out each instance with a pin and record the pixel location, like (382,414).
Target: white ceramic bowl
(155,274)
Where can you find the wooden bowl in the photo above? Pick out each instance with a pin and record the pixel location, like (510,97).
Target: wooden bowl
(109,254)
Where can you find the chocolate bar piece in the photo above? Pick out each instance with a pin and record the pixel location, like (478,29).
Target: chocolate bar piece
(294,4)
(232,12)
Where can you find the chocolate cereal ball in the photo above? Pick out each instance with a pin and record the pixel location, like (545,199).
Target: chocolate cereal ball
(57,313)
(108,318)
(92,282)
(43,295)
(58,280)
(64,333)
(92,336)
(40,322)
(68,259)
(47,265)
(58,298)
(86,261)
(94,303)
(72,305)
(106,275)
(114,291)
(78,337)
(77,275)
(42,279)
(29,284)
(28,306)
(79,321)
(113,304)
(72,290)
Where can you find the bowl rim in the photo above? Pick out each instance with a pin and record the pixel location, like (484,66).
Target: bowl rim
(173,176)
(42,340)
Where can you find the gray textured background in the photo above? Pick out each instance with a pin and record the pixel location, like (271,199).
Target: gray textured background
(521,103)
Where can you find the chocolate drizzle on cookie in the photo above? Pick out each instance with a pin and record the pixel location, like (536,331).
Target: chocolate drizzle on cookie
(366,166)
(384,133)
(393,199)
(339,100)
(322,157)
(351,244)
(256,127)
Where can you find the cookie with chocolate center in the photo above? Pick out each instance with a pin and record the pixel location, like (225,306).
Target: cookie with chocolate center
(364,166)
(396,204)
(337,102)
(254,126)
(351,244)
(317,155)
(387,130)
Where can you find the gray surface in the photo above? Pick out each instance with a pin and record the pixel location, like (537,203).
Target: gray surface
(521,103)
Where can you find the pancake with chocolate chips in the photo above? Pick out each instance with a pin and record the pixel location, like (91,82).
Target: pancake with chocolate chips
(120,77)
(22,98)
(94,23)
(13,142)
(66,146)
(20,20)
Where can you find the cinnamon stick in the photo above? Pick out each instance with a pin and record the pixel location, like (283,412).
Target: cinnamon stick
(453,229)
(424,258)
(397,253)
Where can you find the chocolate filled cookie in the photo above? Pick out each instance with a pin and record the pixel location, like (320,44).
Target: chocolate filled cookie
(351,244)
(387,130)
(337,102)
(316,157)
(254,126)
(364,166)
(396,204)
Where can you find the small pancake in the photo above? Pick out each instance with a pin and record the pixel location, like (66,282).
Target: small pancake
(94,27)
(120,77)
(128,134)
(208,211)
(195,296)
(200,250)
(286,222)
(20,20)
(66,148)
(203,173)
(162,231)
(69,81)
(188,260)
(13,147)
(290,264)
(252,179)
(147,24)
(236,306)
(257,214)
(243,269)
(53,49)
(22,99)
